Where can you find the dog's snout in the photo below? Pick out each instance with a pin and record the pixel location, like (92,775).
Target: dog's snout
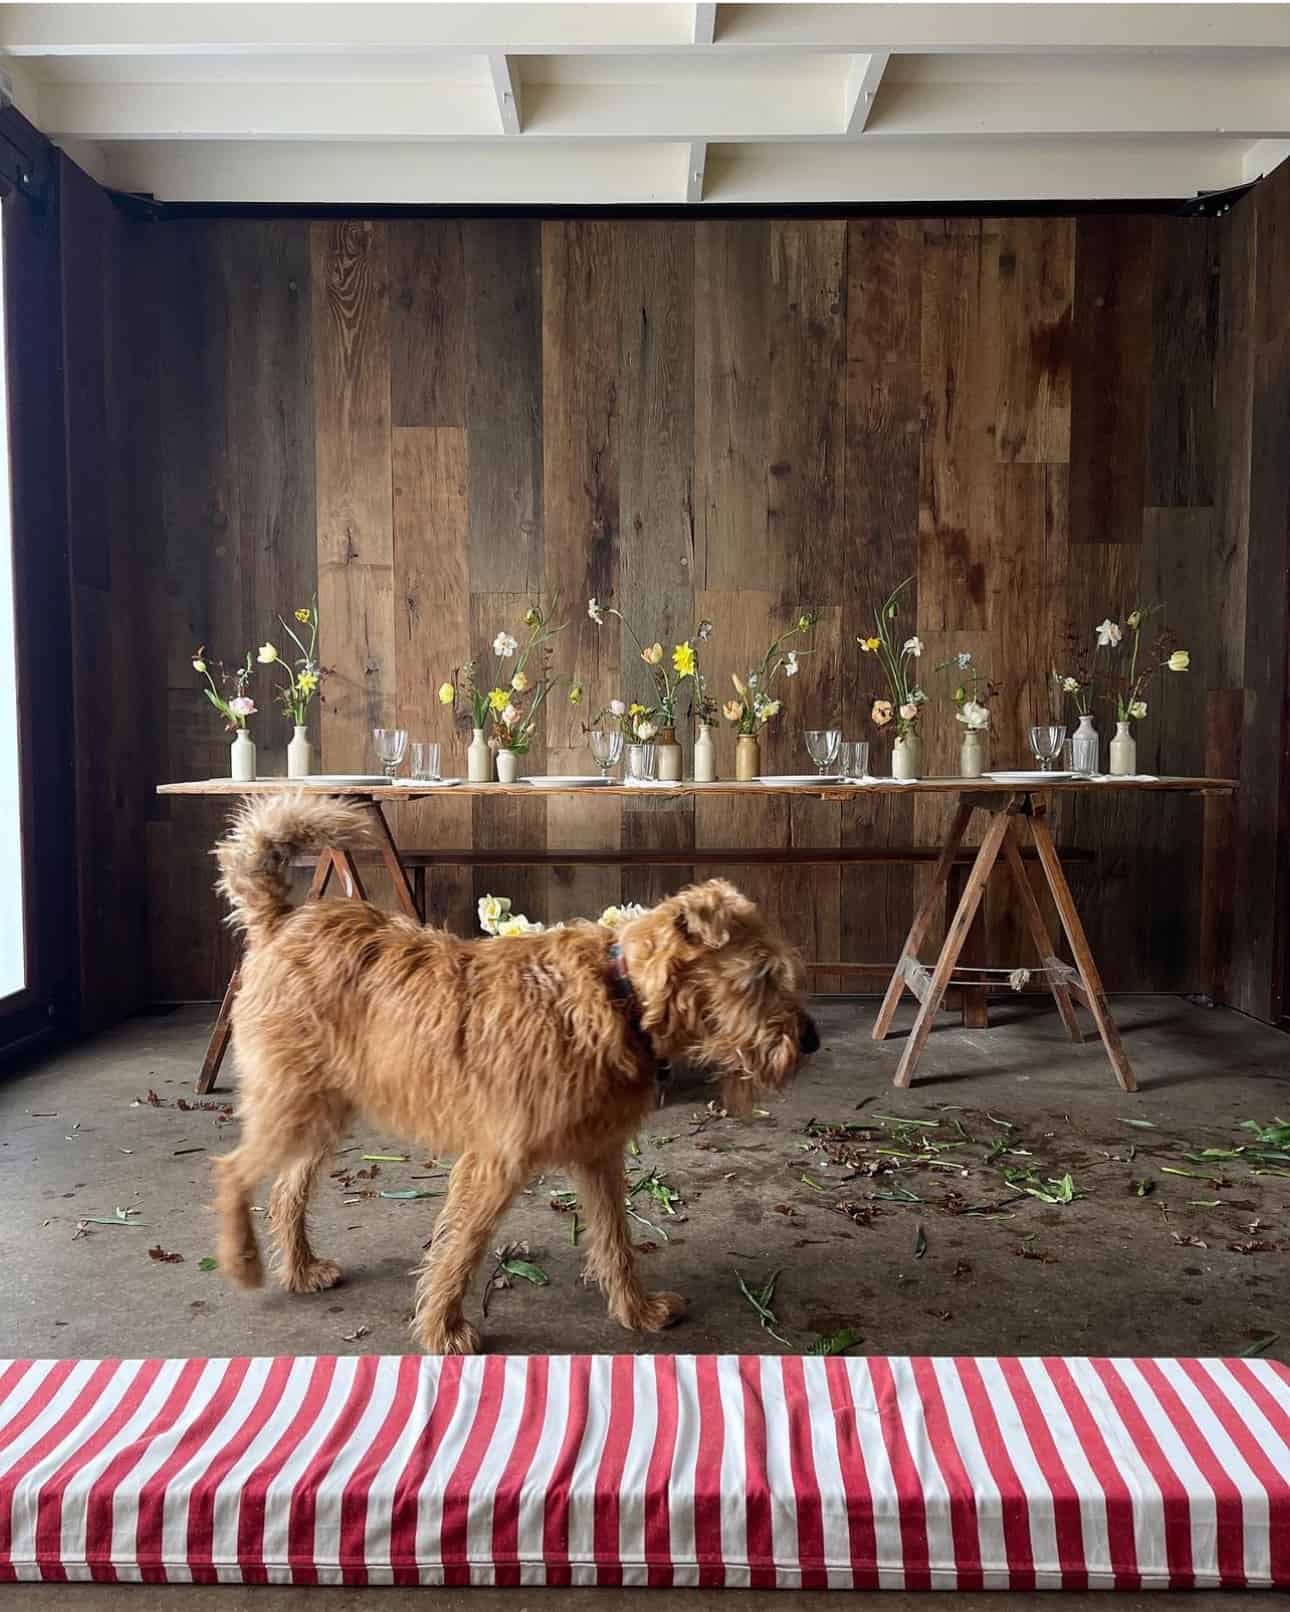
(809,1040)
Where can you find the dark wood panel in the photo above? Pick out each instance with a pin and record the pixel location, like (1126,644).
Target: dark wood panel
(1110,378)
(428,298)
(1184,321)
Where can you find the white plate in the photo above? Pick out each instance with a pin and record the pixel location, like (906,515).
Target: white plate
(347,778)
(1026,777)
(800,778)
(426,783)
(576,781)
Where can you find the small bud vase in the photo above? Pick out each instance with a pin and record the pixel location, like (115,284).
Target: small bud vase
(1124,752)
(1085,746)
(479,759)
(508,766)
(300,754)
(972,753)
(243,757)
(906,756)
(747,757)
(667,755)
(705,756)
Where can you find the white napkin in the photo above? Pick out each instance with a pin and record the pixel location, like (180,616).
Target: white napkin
(1125,778)
(652,783)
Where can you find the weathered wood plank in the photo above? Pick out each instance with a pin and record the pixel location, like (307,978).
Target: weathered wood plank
(1184,320)
(1110,378)
(1036,264)
(428,318)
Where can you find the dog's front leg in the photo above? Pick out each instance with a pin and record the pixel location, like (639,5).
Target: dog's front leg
(611,1261)
(478,1193)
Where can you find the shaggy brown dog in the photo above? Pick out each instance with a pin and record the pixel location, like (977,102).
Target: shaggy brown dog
(516,1054)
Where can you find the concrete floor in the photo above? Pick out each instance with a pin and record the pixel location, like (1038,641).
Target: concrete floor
(1106,1273)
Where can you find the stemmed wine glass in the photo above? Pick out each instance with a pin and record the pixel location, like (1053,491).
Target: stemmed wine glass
(822,745)
(1046,742)
(390,744)
(606,747)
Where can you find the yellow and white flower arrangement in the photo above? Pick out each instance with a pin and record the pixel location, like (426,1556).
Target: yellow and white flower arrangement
(304,674)
(1126,683)
(510,698)
(496,917)
(755,705)
(667,679)
(899,661)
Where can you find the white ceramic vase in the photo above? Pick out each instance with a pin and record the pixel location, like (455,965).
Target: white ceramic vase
(972,753)
(1085,745)
(1124,752)
(300,754)
(242,766)
(906,756)
(479,759)
(508,766)
(705,757)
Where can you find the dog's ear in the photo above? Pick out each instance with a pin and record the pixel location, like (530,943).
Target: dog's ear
(709,913)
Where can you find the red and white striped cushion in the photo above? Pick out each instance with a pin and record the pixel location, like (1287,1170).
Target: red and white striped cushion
(741,1470)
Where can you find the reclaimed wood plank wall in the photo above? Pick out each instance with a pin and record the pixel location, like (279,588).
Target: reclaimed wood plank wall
(430,421)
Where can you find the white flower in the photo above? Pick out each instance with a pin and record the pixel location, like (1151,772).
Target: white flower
(791,667)
(520,925)
(510,715)
(1070,684)
(492,910)
(617,708)
(266,654)
(504,645)
(1137,709)
(908,711)
(767,709)
(1108,633)
(964,658)
(972,714)
(520,682)
(242,706)
(646,730)
(913,646)
(596,611)
(1179,661)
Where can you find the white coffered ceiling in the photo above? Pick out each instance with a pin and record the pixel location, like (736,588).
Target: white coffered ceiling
(602,103)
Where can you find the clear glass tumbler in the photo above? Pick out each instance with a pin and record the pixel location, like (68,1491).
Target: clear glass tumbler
(425,762)
(855,760)
(641,762)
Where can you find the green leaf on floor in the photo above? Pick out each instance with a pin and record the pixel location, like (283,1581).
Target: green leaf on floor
(1260,1345)
(527,1269)
(920,1242)
(208,1262)
(411,1192)
(1276,1134)
(836,1343)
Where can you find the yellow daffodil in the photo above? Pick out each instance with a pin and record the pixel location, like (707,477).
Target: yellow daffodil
(446,693)
(1179,661)
(304,615)
(531,617)
(683,660)
(520,682)
(653,656)
(637,710)
(870,645)
(307,682)
(575,694)
(499,699)
(266,654)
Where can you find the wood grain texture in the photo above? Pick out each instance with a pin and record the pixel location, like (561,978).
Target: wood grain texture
(1040,420)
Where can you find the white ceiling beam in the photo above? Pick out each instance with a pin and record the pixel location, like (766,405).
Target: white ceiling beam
(18,86)
(970,171)
(704,30)
(506,91)
(861,89)
(695,170)
(340,28)
(239,27)
(1262,157)
(715,109)
(516,173)
(501,172)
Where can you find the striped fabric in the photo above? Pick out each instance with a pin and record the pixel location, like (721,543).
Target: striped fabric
(739,1470)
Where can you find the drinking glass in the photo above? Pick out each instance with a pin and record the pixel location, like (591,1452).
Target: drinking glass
(607,748)
(425,761)
(389,744)
(640,762)
(855,760)
(1046,741)
(822,745)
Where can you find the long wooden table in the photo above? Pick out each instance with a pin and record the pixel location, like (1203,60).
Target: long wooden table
(1005,808)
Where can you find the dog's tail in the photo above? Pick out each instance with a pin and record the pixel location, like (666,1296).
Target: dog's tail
(255,855)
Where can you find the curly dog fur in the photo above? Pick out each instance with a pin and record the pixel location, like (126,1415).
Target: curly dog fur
(516,1055)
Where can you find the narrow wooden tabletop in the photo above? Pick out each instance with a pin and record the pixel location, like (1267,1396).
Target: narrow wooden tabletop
(826,791)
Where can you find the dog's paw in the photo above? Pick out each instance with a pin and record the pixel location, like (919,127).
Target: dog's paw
(450,1338)
(315,1277)
(656,1311)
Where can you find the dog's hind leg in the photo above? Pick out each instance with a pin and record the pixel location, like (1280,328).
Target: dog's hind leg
(236,1176)
(478,1193)
(611,1261)
(299,1269)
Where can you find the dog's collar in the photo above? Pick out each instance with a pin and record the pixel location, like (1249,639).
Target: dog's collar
(620,982)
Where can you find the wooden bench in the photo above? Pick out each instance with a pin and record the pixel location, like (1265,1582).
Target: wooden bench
(969,999)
